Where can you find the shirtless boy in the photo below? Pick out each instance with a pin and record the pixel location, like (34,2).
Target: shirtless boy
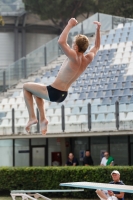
(74,65)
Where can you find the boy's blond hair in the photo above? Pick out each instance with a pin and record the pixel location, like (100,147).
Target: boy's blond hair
(82,42)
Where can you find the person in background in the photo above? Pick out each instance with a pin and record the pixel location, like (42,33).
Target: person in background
(112,195)
(87,160)
(107,160)
(71,160)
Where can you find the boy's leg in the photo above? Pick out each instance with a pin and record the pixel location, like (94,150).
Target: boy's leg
(29,103)
(43,120)
(37,90)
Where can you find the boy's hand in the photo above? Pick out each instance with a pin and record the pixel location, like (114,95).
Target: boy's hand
(98,24)
(72,22)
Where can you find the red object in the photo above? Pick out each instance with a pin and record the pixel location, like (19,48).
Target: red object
(56,159)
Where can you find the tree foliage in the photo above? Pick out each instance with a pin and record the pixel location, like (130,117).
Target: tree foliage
(59,11)
(116,7)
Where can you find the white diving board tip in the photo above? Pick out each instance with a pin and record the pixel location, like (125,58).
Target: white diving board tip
(102,186)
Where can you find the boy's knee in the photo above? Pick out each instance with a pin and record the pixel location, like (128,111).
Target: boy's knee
(25,86)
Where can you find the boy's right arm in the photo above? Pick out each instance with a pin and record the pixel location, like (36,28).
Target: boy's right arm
(70,53)
(96,47)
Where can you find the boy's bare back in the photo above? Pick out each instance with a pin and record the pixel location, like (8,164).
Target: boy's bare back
(76,62)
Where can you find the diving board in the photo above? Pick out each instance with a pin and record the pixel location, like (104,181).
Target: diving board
(102,186)
(27,194)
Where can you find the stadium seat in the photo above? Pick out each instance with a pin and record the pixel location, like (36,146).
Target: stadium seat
(5,123)
(79,102)
(111,108)
(22,106)
(99,94)
(7,107)
(55,120)
(110,86)
(2,115)
(130,107)
(127,91)
(108,93)
(4,101)
(16,94)
(11,101)
(117,92)
(69,103)
(75,111)
(114,99)
(72,119)
(25,114)
(131,100)
(82,96)
(82,119)
(50,112)
(122,116)
(91,95)
(57,112)
(96,102)
(110,117)
(122,107)
(103,109)
(118,85)
(84,110)
(21,122)
(106,101)
(124,99)
(129,116)
(37,80)
(67,111)
(74,96)
(100,118)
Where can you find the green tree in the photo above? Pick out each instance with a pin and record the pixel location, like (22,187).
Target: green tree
(60,11)
(123,8)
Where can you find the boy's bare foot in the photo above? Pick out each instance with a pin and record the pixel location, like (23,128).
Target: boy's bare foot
(43,126)
(30,123)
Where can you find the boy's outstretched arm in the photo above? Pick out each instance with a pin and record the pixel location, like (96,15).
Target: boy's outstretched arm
(96,47)
(63,39)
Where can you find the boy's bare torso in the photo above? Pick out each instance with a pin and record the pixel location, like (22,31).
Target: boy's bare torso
(69,72)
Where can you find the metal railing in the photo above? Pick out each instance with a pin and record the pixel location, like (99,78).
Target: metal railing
(113,124)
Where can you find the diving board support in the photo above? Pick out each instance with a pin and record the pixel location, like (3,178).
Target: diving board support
(23,195)
(34,194)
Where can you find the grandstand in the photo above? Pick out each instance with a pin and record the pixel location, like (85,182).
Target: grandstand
(109,78)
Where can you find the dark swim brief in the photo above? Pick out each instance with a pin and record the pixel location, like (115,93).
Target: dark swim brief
(56,95)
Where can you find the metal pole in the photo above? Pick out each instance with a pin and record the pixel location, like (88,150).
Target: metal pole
(45,55)
(4,81)
(13,121)
(63,117)
(38,127)
(89,116)
(117,114)
(25,67)
(82,28)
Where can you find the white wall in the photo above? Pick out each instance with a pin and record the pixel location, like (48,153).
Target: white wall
(6,48)
(6,152)
(35,40)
